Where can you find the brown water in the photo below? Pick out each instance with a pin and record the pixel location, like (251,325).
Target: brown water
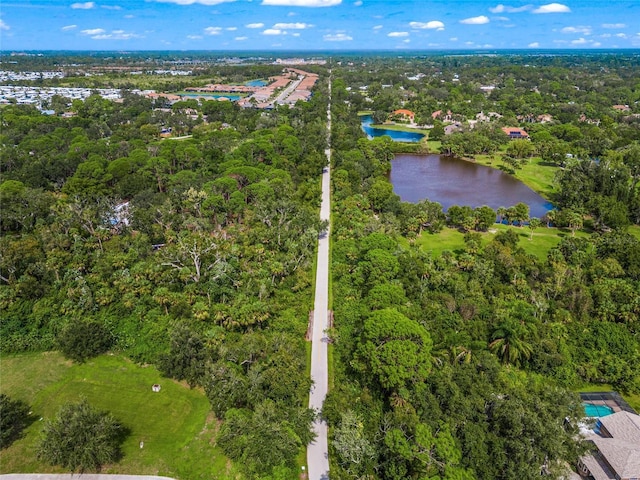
(451,181)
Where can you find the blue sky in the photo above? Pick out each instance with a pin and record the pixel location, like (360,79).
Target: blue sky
(317,24)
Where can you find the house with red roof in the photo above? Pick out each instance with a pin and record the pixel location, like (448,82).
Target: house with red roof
(515,132)
(403,114)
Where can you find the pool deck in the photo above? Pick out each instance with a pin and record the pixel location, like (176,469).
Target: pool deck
(608,399)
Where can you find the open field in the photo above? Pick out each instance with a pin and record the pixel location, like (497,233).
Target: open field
(175,424)
(399,128)
(453,240)
(535,173)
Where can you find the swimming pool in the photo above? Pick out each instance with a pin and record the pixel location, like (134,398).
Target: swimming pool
(591,410)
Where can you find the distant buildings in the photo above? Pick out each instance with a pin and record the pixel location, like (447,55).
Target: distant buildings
(36,95)
(622,108)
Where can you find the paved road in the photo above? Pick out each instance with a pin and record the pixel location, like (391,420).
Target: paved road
(77,476)
(287,91)
(317,452)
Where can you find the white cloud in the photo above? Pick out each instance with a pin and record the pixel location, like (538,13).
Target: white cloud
(201,2)
(453,39)
(398,34)
(194,37)
(580,41)
(579,29)
(552,8)
(231,29)
(93,31)
(4,26)
(302,3)
(129,16)
(295,34)
(534,45)
(240,39)
(433,24)
(111,7)
(337,37)
(292,26)
(621,35)
(67,27)
(254,25)
(614,25)
(83,6)
(506,8)
(358,3)
(475,20)
(213,30)
(115,35)
(272,31)
(377,27)
(596,44)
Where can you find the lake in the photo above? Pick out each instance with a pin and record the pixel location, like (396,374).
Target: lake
(451,181)
(256,83)
(397,136)
(205,96)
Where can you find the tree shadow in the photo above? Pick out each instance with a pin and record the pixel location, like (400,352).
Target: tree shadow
(20,425)
(509,170)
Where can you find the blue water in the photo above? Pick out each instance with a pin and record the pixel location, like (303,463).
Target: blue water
(371,132)
(230,96)
(256,83)
(591,410)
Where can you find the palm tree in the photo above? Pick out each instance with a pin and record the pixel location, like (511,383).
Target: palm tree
(501,213)
(509,344)
(533,224)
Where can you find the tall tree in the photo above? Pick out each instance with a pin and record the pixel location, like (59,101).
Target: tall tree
(81,438)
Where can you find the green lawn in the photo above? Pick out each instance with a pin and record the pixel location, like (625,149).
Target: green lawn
(635,231)
(175,424)
(534,173)
(398,127)
(452,239)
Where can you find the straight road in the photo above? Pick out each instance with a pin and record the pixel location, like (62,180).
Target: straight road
(318,452)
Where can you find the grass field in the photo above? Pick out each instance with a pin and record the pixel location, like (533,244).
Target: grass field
(453,240)
(536,174)
(399,128)
(175,424)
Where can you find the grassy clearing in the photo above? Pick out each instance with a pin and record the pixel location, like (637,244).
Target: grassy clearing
(633,400)
(175,424)
(399,128)
(635,231)
(544,239)
(535,173)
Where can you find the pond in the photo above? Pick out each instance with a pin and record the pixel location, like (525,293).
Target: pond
(451,181)
(213,96)
(255,83)
(397,136)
